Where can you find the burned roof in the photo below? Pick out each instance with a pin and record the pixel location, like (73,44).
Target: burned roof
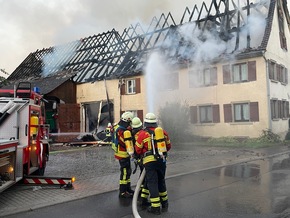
(210,33)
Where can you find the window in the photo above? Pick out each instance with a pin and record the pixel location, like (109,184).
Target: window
(277,72)
(282,74)
(130,87)
(272,70)
(205,77)
(275,109)
(205,114)
(284,109)
(241,112)
(240,73)
(208,77)
(279,109)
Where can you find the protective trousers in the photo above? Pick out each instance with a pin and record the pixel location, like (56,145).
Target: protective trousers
(125,168)
(155,179)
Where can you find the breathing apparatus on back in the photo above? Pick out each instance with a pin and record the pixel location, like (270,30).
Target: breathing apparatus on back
(150,120)
(129,142)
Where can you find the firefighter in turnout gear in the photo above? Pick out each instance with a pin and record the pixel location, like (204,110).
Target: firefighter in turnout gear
(137,126)
(122,154)
(108,132)
(154,153)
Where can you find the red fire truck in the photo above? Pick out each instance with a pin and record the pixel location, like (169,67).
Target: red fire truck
(24,143)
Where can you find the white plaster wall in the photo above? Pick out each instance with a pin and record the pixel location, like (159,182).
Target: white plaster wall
(282,57)
(255,91)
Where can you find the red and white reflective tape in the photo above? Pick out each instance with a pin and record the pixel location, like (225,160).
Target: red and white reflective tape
(47,181)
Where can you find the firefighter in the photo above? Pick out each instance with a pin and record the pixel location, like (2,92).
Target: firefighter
(108,132)
(154,162)
(137,126)
(122,155)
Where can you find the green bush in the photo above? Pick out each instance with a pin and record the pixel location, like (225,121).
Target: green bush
(174,118)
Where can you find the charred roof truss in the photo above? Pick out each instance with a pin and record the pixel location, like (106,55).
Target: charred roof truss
(111,55)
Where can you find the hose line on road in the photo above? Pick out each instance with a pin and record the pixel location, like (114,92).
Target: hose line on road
(136,193)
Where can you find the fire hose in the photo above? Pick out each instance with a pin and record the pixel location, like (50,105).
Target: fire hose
(136,193)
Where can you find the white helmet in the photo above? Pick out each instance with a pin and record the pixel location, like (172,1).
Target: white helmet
(127,116)
(136,122)
(150,118)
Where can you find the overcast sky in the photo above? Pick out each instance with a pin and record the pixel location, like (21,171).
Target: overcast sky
(28,25)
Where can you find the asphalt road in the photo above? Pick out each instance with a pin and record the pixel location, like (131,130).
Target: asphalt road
(253,189)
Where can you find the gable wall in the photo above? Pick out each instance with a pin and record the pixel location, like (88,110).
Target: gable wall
(275,53)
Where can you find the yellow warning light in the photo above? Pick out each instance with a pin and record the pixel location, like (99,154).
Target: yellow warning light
(34,148)
(10,169)
(73,179)
(29,148)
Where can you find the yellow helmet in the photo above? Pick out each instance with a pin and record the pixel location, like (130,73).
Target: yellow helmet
(136,122)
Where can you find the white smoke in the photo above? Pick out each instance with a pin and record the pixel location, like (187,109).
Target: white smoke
(61,53)
(203,47)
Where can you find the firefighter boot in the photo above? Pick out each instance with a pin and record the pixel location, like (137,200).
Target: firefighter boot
(123,192)
(129,190)
(125,195)
(154,210)
(144,203)
(164,206)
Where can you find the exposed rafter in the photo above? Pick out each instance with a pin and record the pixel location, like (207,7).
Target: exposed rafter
(113,55)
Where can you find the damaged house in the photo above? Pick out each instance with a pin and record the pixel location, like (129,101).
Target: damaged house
(228,60)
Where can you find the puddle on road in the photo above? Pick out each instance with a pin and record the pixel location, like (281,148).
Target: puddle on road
(265,185)
(255,168)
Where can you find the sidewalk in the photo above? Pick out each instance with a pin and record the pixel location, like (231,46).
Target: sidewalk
(25,198)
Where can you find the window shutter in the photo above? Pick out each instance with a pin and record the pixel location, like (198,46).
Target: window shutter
(213,76)
(254,111)
(123,92)
(228,113)
(193,114)
(279,109)
(252,74)
(138,85)
(286,75)
(278,72)
(271,70)
(272,109)
(226,74)
(216,113)
(140,114)
(287,109)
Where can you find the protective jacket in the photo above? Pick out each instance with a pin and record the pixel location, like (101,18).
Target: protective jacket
(144,147)
(121,151)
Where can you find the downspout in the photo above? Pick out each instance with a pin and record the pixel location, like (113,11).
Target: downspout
(108,103)
(268,93)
